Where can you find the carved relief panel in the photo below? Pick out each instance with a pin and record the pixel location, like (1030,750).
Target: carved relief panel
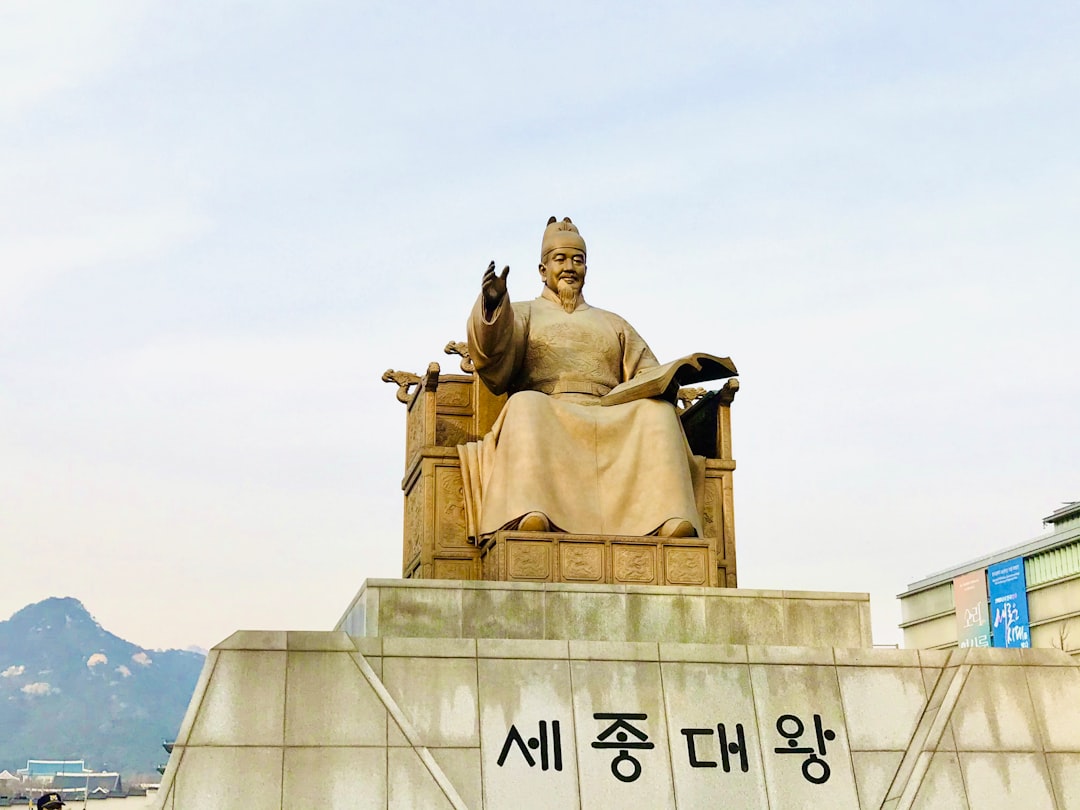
(529,561)
(414,522)
(455,569)
(450,531)
(414,428)
(633,564)
(451,431)
(581,562)
(711,513)
(455,392)
(686,566)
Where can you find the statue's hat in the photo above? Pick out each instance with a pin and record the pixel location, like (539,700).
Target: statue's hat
(561,235)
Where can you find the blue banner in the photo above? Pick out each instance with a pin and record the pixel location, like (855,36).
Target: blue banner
(1008,603)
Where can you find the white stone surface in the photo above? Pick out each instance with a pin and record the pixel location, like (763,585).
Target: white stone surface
(255,640)
(1006,781)
(279,718)
(328,703)
(622,688)
(216,778)
(1053,690)
(462,768)
(803,692)
(994,712)
(521,648)
(319,641)
(1065,777)
(943,786)
(520,694)
(882,706)
(704,653)
(410,784)
(657,616)
(244,702)
(749,618)
(197,696)
(874,771)
(334,778)
(438,696)
(699,698)
(454,609)
(876,657)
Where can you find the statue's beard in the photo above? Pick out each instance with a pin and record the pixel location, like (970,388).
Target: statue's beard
(569,295)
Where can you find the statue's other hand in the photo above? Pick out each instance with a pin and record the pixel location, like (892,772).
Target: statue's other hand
(494,287)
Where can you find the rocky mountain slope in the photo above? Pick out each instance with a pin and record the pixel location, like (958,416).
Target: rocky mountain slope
(69,689)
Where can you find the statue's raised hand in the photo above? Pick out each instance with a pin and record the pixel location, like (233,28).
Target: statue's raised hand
(494,287)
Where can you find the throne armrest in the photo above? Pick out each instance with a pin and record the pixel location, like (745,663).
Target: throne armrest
(707,422)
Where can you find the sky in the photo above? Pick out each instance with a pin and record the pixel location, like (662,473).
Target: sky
(220,222)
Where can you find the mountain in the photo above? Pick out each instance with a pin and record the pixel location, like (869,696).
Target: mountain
(69,689)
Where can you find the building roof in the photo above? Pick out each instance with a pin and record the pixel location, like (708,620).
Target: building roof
(48,767)
(1068,510)
(1062,535)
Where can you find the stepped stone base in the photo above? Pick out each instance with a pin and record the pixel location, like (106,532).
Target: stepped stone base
(376,719)
(454,609)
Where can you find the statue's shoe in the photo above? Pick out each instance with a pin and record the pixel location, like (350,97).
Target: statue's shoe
(534,522)
(676,527)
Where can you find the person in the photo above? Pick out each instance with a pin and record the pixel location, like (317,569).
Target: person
(49,801)
(554,459)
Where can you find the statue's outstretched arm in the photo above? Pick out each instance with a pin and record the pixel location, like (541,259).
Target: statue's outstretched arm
(495,339)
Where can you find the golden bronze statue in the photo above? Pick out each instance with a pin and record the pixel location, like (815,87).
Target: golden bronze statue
(556,459)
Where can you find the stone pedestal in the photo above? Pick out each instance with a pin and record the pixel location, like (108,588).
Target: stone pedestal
(395,608)
(615,697)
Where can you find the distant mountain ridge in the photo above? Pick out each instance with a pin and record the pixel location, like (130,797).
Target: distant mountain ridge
(69,689)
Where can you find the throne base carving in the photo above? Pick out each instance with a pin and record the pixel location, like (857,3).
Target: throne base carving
(512,556)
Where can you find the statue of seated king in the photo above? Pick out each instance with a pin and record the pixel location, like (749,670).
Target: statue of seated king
(572,454)
(556,459)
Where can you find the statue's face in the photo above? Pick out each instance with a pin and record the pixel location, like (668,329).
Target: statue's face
(565,267)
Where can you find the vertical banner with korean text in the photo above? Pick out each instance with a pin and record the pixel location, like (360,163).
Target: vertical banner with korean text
(1008,603)
(972,617)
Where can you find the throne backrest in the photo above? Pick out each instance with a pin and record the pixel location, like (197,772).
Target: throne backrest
(444,410)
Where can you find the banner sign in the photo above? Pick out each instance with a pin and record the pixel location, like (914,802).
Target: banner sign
(972,617)
(1008,603)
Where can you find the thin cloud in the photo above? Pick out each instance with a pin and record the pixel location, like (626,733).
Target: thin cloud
(48,50)
(39,689)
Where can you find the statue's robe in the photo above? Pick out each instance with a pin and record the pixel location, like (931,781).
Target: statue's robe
(620,469)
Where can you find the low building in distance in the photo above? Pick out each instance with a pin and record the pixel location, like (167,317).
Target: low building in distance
(1024,596)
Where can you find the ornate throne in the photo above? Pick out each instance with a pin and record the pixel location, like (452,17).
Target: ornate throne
(445,410)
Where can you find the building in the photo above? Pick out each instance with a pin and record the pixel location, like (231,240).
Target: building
(106,783)
(71,778)
(1027,595)
(9,783)
(48,768)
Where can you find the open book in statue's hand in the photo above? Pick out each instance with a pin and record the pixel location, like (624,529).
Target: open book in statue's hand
(664,381)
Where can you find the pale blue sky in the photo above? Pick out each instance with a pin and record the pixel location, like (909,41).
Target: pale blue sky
(220,222)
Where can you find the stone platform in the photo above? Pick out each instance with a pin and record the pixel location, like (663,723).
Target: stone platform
(453,609)
(378,718)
